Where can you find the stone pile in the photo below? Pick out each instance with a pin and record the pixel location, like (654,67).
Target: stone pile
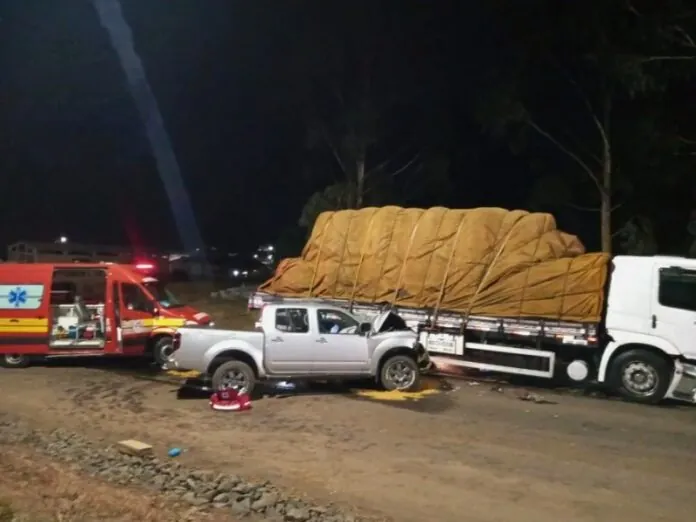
(200,488)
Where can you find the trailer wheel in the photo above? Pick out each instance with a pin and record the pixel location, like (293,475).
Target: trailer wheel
(14,360)
(234,374)
(401,373)
(640,376)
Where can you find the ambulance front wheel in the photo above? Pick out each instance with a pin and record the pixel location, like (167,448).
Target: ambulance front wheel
(14,360)
(163,349)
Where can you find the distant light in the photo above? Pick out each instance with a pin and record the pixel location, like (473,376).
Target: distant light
(62,239)
(235,273)
(256,256)
(270,248)
(145,267)
(269,257)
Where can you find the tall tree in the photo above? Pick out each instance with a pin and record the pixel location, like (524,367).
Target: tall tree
(566,85)
(357,81)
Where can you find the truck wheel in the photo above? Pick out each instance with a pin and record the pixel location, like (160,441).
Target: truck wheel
(14,360)
(234,374)
(640,376)
(163,349)
(400,372)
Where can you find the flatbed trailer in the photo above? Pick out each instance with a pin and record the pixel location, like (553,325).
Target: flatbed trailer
(507,345)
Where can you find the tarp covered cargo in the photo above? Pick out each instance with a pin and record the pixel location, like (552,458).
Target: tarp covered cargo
(483,261)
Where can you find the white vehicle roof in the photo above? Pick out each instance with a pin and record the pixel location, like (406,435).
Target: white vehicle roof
(308,304)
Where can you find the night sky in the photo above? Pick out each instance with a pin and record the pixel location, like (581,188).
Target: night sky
(74,158)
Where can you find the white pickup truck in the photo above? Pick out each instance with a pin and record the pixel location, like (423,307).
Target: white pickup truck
(308,341)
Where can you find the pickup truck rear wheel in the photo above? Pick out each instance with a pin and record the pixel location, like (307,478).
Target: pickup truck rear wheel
(401,373)
(14,360)
(640,376)
(234,374)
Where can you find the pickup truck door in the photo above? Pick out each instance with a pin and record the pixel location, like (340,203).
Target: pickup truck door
(288,347)
(674,308)
(338,353)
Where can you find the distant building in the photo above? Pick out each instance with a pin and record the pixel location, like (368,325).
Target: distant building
(67,252)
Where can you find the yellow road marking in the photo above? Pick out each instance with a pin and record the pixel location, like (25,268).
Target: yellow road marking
(429,387)
(180,374)
(395,395)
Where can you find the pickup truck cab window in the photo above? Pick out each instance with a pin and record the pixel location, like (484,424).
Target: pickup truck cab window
(335,322)
(678,289)
(292,320)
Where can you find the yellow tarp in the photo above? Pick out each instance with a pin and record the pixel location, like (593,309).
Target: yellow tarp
(483,261)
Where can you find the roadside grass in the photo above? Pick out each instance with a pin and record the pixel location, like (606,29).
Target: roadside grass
(7,514)
(227,313)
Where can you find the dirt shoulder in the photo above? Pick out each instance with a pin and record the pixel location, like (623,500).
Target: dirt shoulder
(473,454)
(34,488)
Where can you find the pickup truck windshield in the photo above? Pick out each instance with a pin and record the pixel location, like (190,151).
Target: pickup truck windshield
(163,295)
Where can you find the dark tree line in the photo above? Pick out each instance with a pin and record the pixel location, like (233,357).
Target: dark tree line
(594,97)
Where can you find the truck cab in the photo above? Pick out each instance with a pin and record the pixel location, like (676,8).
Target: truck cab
(85,309)
(650,324)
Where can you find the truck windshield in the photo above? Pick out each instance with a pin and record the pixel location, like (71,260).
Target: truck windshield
(163,295)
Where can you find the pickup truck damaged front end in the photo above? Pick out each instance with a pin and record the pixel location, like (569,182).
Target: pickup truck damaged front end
(422,358)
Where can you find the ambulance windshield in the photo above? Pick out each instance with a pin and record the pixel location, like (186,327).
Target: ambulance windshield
(162,294)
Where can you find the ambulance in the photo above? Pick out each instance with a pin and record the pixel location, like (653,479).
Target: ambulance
(87,309)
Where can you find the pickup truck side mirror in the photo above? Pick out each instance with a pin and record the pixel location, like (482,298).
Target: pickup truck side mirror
(365,328)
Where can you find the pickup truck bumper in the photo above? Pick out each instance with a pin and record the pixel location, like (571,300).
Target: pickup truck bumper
(684,385)
(423,359)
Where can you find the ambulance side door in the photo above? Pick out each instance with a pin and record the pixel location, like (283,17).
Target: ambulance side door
(137,318)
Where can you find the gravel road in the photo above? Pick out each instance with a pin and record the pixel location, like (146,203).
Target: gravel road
(477,453)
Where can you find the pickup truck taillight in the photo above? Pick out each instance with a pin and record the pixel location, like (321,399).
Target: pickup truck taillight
(176,343)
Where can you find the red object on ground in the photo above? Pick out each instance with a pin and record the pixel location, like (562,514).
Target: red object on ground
(230,400)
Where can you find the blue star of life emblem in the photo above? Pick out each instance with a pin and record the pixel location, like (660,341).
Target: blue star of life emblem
(17,297)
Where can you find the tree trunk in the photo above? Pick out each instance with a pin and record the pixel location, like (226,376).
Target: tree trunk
(360,181)
(605,208)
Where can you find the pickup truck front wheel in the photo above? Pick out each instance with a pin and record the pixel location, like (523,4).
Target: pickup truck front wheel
(401,373)
(234,375)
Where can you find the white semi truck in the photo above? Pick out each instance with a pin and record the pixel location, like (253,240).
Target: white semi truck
(643,349)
